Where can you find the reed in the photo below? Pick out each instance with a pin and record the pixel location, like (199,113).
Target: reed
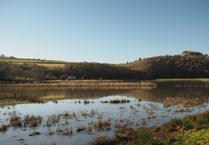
(88,84)
(3,128)
(53,119)
(15,121)
(102,124)
(32,121)
(192,129)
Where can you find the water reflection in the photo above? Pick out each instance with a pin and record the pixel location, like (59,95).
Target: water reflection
(22,95)
(79,116)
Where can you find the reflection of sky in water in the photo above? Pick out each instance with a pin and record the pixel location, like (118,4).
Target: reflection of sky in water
(133,114)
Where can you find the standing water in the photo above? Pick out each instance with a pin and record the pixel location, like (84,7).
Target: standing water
(77,117)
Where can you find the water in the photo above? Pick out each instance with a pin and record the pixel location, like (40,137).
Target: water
(77,117)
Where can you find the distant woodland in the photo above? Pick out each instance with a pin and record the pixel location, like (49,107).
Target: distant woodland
(186,65)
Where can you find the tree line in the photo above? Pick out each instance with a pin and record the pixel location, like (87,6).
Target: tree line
(186,65)
(23,72)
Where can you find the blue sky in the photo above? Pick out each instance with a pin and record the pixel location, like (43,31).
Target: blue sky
(107,31)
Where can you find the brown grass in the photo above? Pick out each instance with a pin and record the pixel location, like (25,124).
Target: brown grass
(103,140)
(187,102)
(103,124)
(32,121)
(14,98)
(52,65)
(3,128)
(15,121)
(88,84)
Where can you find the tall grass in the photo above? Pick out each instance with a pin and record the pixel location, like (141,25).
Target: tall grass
(192,130)
(89,84)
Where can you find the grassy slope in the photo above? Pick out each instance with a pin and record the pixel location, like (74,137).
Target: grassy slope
(177,66)
(174,66)
(46,63)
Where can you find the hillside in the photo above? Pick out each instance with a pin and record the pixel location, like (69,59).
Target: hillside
(41,62)
(186,65)
(19,69)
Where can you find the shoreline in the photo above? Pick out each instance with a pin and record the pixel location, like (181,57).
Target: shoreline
(84,84)
(105,84)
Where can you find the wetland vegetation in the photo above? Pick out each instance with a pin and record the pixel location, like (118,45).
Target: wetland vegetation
(193,130)
(101,116)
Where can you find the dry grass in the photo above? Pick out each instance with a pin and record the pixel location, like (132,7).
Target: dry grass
(52,65)
(53,119)
(3,128)
(88,84)
(103,140)
(32,121)
(28,121)
(190,130)
(65,132)
(15,121)
(13,98)
(103,124)
(169,101)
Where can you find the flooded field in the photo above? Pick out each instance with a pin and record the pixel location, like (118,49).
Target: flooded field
(77,117)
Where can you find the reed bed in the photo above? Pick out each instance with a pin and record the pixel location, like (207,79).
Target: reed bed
(87,84)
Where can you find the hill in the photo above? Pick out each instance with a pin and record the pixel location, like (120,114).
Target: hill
(19,69)
(186,65)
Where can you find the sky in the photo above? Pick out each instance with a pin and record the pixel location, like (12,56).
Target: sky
(105,31)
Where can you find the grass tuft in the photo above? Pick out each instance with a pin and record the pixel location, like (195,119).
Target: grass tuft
(15,121)
(3,128)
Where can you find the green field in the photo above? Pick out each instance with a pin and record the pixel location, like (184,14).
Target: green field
(40,62)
